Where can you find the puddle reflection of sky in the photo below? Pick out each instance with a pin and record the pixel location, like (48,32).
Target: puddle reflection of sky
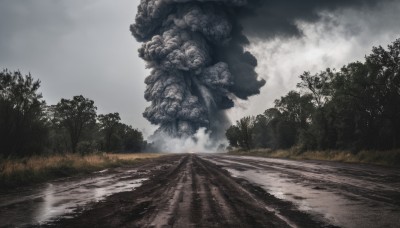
(338,208)
(52,200)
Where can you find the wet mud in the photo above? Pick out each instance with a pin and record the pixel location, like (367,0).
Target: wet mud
(345,195)
(192,190)
(194,193)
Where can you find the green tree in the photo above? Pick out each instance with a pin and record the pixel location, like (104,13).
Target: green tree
(318,85)
(241,134)
(296,108)
(23,123)
(75,116)
(108,124)
(295,116)
(233,134)
(245,127)
(131,139)
(357,107)
(384,68)
(261,132)
(273,116)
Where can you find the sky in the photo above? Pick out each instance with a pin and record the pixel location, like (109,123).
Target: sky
(85,47)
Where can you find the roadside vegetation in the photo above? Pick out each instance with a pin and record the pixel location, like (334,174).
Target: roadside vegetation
(39,142)
(28,126)
(355,109)
(24,171)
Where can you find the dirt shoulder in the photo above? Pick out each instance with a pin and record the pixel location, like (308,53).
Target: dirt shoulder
(28,171)
(385,158)
(191,192)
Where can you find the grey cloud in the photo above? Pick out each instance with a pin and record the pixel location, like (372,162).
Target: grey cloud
(83,47)
(77,47)
(341,36)
(201,43)
(269,18)
(196,51)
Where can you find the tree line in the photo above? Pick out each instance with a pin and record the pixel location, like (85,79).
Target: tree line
(354,108)
(29,126)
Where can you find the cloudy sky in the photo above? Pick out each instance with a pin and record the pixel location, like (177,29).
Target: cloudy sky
(85,47)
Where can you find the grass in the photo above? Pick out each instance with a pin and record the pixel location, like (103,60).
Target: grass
(35,169)
(386,158)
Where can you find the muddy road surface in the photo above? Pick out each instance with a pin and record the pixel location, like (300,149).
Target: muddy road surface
(191,190)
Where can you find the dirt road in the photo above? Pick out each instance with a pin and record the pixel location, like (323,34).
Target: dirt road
(226,191)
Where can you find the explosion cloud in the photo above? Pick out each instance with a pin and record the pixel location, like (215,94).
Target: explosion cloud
(196,51)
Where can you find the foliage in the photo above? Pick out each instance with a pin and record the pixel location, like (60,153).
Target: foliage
(108,124)
(232,134)
(75,116)
(241,134)
(22,115)
(29,127)
(355,108)
(131,139)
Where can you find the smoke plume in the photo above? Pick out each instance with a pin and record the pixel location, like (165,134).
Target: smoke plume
(196,52)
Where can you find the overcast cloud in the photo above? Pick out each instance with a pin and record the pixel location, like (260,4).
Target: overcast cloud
(338,38)
(85,47)
(77,47)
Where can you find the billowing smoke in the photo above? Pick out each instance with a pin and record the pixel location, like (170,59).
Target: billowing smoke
(196,52)
(199,66)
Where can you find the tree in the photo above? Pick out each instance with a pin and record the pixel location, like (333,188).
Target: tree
(296,108)
(273,116)
(241,134)
(295,117)
(355,108)
(384,66)
(233,134)
(261,132)
(75,116)
(132,139)
(108,124)
(318,85)
(23,122)
(245,127)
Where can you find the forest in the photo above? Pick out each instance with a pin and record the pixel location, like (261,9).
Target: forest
(354,108)
(28,126)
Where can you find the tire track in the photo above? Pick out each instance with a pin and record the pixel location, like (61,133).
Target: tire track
(193,192)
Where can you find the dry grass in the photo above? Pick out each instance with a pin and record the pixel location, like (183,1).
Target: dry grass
(387,158)
(133,156)
(15,172)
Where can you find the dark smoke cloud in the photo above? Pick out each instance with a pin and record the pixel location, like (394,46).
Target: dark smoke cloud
(195,49)
(271,18)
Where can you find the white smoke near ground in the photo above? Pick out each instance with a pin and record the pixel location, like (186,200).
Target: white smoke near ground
(200,142)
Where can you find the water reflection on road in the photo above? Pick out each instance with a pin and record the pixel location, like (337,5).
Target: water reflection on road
(346,195)
(49,201)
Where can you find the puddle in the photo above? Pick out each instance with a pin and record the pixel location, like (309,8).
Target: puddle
(60,198)
(371,178)
(332,207)
(341,194)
